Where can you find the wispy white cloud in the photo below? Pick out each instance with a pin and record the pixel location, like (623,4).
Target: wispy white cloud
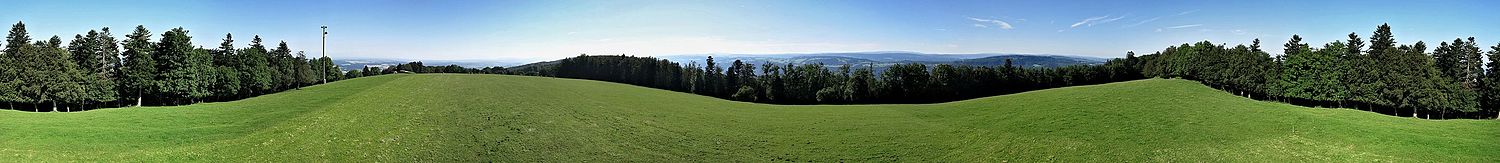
(1188,12)
(997,22)
(1143,22)
(1179,27)
(1096,21)
(1086,21)
(1185,26)
(1108,20)
(981,26)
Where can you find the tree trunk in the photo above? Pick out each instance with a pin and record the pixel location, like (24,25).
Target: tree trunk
(54,106)
(138,99)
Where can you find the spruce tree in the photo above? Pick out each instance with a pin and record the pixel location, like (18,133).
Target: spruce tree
(1293,46)
(13,58)
(139,70)
(255,73)
(1447,60)
(107,74)
(1382,40)
(284,64)
(1355,45)
(305,74)
(227,81)
(1490,88)
(1471,63)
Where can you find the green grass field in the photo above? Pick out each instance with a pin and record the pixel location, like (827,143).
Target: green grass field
(454,117)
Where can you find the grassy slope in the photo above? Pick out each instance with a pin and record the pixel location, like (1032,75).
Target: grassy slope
(452,117)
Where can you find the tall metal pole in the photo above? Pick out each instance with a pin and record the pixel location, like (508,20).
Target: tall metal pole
(323,74)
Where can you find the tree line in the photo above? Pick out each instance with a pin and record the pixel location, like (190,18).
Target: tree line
(842,84)
(92,71)
(1403,80)
(418,67)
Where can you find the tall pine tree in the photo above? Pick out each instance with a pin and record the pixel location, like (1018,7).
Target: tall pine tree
(14,58)
(139,70)
(1490,88)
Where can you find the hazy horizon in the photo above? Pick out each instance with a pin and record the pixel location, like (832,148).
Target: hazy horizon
(525,31)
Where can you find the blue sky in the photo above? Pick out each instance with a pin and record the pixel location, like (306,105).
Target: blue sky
(546,30)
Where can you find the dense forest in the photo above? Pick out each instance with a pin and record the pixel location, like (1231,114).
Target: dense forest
(92,71)
(1401,80)
(1386,77)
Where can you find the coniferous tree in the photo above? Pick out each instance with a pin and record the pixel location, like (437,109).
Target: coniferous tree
(732,76)
(139,70)
(305,74)
(1382,40)
(1448,60)
(255,71)
(1294,46)
(1490,87)
(712,78)
(1471,63)
(226,61)
(15,57)
(282,62)
(106,85)
(1354,44)
(96,58)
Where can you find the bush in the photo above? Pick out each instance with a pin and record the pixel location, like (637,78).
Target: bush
(746,93)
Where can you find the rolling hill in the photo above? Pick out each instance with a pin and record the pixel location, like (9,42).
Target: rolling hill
(470,118)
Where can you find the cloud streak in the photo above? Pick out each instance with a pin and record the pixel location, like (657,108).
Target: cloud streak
(1143,22)
(1187,12)
(1185,26)
(1089,22)
(996,22)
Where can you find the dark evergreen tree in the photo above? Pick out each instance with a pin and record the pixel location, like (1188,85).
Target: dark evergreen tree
(15,58)
(1490,87)
(1354,45)
(139,70)
(305,72)
(284,69)
(227,83)
(1382,40)
(255,71)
